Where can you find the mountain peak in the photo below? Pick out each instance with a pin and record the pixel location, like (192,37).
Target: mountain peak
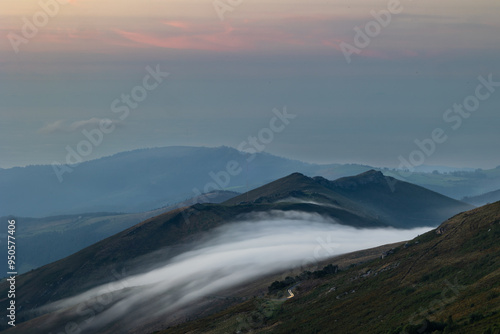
(371,172)
(281,187)
(296,175)
(369,177)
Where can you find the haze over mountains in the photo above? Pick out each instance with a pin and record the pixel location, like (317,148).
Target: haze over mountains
(143,180)
(490,197)
(279,223)
(134,181)
(44,240)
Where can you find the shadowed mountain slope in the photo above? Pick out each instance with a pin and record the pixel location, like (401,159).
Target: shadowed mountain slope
(396,203)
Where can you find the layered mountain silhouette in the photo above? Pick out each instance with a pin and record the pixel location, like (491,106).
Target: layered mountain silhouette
(482,199)
(135,181)
(146,179)
(369,199)
(370,195)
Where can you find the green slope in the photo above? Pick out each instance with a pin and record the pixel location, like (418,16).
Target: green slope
(445,281)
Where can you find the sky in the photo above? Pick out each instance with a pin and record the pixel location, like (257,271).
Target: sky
(366,81)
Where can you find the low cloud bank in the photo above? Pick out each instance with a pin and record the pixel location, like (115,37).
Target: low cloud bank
(235,253)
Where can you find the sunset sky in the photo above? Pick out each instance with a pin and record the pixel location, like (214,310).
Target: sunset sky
(226,76)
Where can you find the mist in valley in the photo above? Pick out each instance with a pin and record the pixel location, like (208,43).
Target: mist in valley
(233,254)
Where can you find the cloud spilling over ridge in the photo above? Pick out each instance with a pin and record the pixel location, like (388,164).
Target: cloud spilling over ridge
(299,200)
(234,254)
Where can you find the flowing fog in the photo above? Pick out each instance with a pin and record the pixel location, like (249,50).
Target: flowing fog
(234,254)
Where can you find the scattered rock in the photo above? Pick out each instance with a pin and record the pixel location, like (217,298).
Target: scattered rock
(389,252)
(440,230)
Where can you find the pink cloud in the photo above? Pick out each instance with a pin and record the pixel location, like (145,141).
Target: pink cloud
(216,37)
(178,24)
(314,33)
(220,41)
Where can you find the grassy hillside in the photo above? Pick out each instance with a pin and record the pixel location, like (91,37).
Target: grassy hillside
(445,281)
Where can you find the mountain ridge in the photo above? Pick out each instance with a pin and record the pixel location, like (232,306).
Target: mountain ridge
(381,196)
(163,176)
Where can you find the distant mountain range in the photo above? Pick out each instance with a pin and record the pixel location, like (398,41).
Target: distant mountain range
(45,240)
(366,200)
(136,181)
(491,197)
(146,179)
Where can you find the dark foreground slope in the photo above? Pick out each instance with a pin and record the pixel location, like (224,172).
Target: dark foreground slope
(445,281)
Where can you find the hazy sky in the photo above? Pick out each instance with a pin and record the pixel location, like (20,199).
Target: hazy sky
(229,69)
